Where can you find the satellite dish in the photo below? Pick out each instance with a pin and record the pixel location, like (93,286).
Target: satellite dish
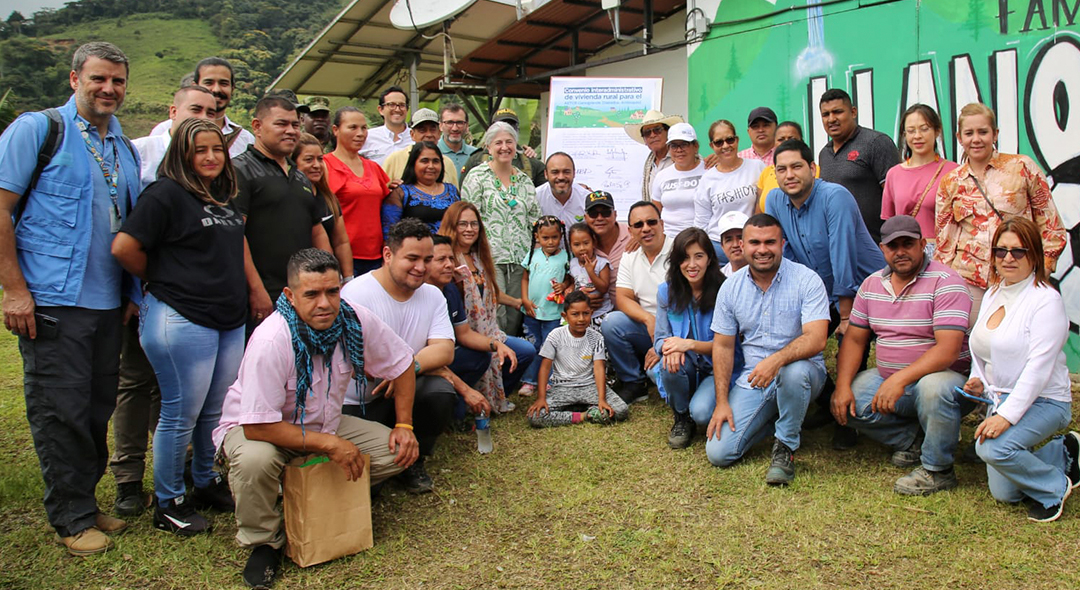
(419,14)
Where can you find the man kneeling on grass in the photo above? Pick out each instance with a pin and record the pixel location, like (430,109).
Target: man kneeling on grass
(287,402)
(572,373)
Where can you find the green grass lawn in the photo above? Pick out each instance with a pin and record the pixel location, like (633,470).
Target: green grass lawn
(181,43)
(588,507)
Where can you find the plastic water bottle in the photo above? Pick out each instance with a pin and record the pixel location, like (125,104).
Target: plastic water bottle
(483,434)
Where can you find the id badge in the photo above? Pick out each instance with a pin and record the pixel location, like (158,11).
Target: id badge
(114,220)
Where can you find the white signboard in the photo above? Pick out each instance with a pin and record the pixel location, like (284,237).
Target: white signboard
(586,118)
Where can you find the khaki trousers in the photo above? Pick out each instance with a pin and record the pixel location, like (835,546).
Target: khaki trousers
(256,468)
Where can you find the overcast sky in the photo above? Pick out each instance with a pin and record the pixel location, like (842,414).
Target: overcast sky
(28,7)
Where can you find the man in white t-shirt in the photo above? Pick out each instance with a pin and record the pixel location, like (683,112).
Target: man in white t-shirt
(216,75)
(416,311)
(560,196)
(190,102)
(730,227)
(628,332)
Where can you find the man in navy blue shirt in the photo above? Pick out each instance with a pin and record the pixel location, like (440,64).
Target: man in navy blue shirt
(824,231)
(63,288)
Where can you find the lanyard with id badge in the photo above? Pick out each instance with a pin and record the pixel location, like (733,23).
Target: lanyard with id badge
(111,178)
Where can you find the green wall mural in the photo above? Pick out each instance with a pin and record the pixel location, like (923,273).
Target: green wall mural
(1021,57)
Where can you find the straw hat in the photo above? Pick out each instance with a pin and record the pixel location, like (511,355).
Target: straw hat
(651,118)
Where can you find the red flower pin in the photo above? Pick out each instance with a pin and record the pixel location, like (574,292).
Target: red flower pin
(853,155)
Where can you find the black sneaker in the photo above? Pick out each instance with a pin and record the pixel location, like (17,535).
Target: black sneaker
(178,516)
(262,567)
(782,469)
(1072,445)
(844,438)
(415,479)
(216,496)
(1037,513)
(130,499)
(634,391)
(682,431)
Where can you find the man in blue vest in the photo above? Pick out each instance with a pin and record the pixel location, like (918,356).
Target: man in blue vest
(63,290)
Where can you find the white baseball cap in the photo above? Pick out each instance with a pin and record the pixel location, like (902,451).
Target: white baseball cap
(731,220)
(681,132)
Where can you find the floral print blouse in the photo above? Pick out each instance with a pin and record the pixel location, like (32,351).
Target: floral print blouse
(507,212)
(966,223)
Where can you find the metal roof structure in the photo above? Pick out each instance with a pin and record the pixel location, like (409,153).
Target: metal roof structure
(497,48)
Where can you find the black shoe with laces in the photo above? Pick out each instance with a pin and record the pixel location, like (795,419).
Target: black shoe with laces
(782,469)
(1038,513)
(1072,445)
(178,516)
(216,495)
(262,567)
(682,431)
(130,499)
(415,479)
(633,392)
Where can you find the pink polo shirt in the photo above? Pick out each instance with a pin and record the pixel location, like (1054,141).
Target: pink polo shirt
(265,388)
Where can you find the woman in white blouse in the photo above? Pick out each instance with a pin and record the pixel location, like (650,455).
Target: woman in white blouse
(1018,364)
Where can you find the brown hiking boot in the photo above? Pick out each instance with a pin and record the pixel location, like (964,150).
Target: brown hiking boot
(108,524)
(89,541)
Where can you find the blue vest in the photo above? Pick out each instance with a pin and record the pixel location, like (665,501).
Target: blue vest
(52,238)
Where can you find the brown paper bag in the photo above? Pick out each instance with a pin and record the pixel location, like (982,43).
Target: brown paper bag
(326,516)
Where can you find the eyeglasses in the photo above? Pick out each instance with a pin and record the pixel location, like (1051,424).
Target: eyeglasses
(653,131)
(725,140)
(1017,253)
(679,145)
(395,105)
(454,123)
(468,224)
(650,222)
(600,211)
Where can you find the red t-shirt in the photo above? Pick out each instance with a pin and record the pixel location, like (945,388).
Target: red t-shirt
(361,199)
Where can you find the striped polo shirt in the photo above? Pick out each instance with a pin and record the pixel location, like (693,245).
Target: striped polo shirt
(905,322)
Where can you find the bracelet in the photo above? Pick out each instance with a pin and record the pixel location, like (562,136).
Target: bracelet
(416,366)
(491,345)
(844,319)
(403,425)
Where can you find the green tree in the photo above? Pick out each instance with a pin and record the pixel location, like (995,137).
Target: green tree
(35,74)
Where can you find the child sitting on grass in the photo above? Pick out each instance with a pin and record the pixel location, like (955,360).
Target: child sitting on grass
(572,373)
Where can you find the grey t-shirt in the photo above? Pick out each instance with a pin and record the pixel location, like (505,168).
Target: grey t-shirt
(572,358)
(860,166)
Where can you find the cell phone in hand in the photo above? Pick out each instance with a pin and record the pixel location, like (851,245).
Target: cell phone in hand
(48,327)
(976,398)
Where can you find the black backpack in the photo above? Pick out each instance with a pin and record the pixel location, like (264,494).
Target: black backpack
(54,136)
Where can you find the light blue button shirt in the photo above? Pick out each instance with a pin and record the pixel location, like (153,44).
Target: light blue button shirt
(101,287)
(769,320)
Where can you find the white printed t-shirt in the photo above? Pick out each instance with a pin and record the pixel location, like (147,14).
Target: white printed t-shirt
(675,190)
(720,192)
(572,358)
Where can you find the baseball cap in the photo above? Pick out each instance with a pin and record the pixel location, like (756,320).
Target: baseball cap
(731,220)
(899,227)
(761,113)
(290,96)
(507,115)
(424,116)
(681,132)
(317,104)
(598,198)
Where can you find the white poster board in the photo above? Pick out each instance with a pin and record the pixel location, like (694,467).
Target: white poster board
(586,118)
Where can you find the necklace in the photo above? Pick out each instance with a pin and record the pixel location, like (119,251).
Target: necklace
(937,159)
(508,197)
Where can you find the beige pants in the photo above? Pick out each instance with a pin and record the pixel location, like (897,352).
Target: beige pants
(256,467)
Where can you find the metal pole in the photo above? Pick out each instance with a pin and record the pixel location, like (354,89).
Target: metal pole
(414,92)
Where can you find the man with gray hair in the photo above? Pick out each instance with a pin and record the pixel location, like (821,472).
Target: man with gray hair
(63,290)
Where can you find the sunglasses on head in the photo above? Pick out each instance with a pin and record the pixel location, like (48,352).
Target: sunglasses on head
(640,224)
(600,211)
(1017,253)
(725,140)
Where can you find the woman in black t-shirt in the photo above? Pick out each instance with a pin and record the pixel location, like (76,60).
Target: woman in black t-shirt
(185,240)
(422,193)
(308,156)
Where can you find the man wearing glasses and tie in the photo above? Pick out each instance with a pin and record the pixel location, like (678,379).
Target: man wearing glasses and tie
(628,332)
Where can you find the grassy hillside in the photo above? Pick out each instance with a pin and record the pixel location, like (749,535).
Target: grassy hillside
(161,49)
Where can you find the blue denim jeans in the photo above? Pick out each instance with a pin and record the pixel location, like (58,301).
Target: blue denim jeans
(470,365)
(627,342)
(536,332)
(929,403)
(780,407)
(195,366)
(1013,470)
(690,389)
